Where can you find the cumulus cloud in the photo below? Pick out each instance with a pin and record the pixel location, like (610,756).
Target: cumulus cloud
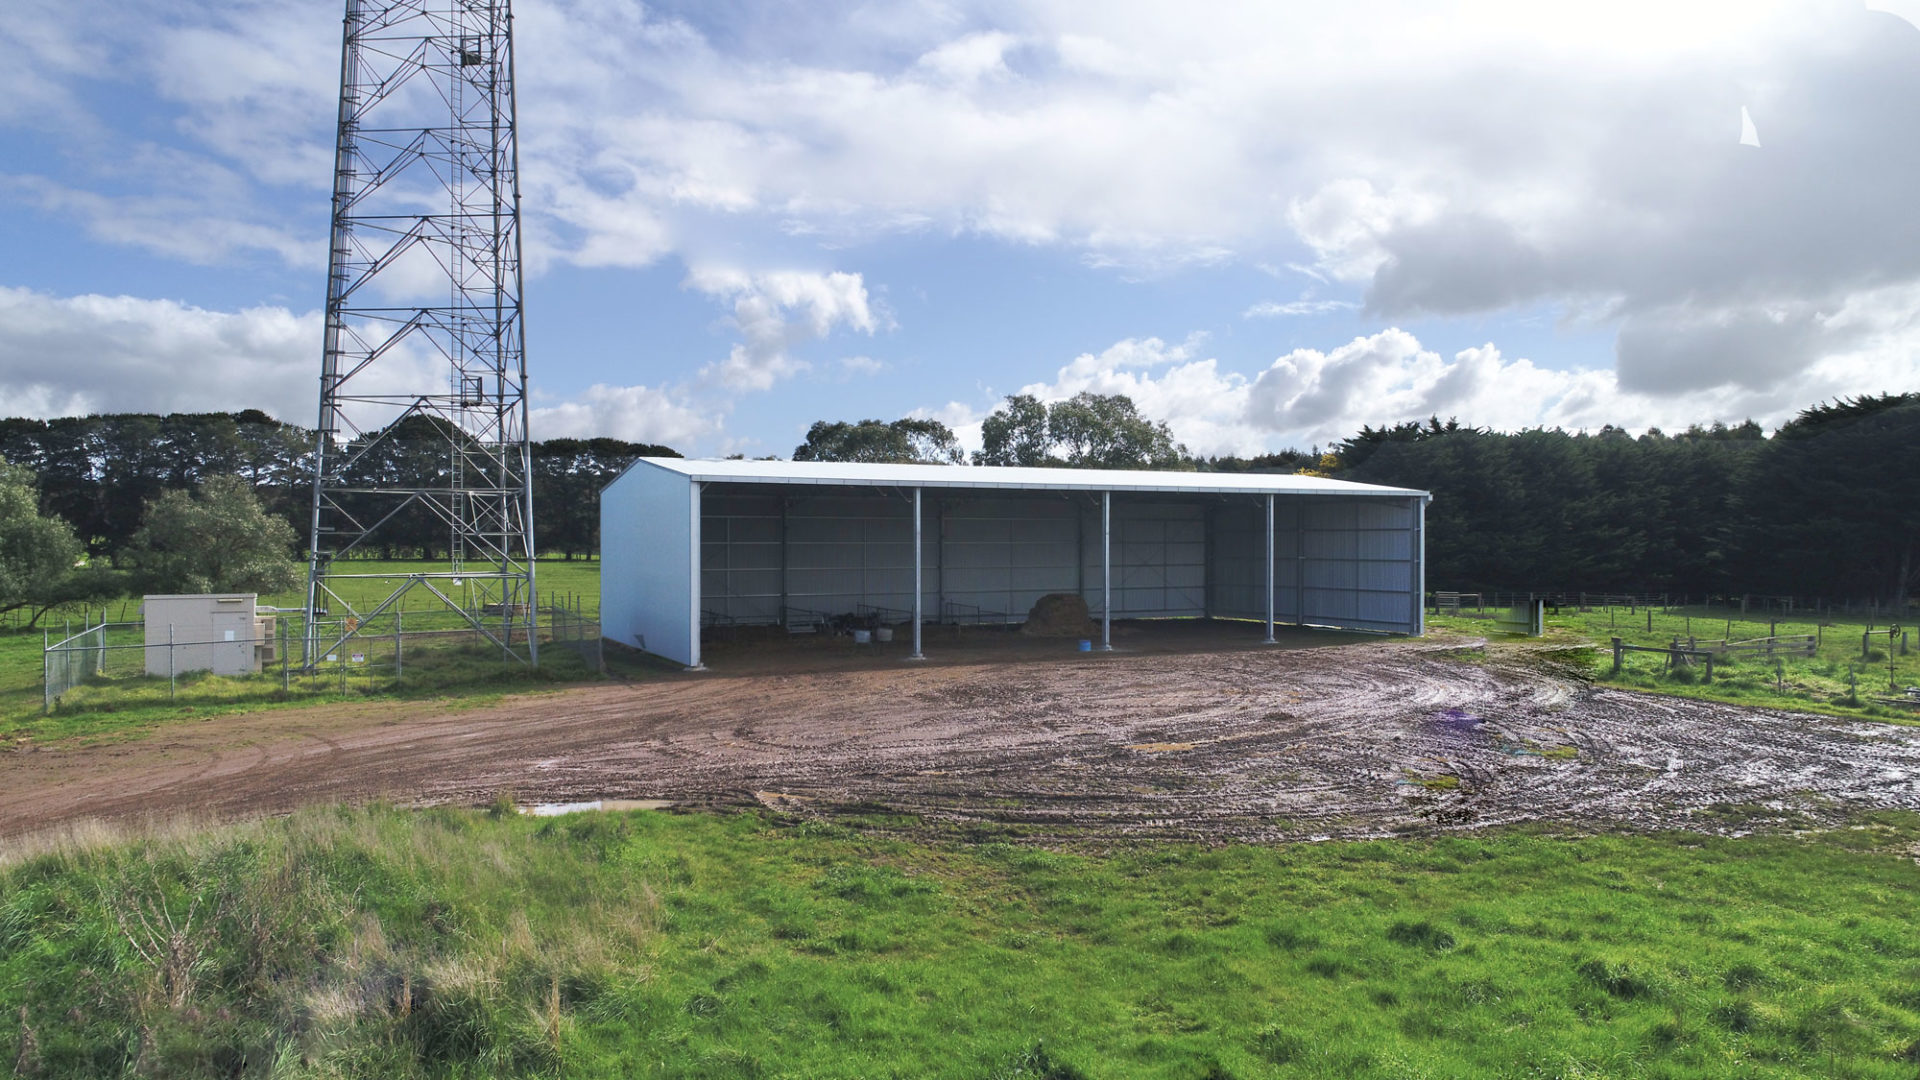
(1314,397)
(776,311)
(1201,403)
(81,354)
(67,356)
(634,413)
(1447,161)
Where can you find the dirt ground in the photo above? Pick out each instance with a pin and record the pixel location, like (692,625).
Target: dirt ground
(1187,730)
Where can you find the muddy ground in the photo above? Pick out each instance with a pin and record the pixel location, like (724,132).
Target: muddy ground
(1191,733)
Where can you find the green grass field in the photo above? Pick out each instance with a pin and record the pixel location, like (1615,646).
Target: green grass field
(129,702)
(466,943)
(1837,680)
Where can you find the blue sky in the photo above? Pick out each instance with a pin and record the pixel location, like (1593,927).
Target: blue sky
(1269,224)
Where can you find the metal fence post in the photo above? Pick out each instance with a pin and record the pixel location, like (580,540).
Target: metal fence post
(172,687)
(286,675)
(46,670)
(398,634)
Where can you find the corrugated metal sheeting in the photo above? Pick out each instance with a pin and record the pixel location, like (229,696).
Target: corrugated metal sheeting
(1005,478)
(983,559)
(1337,562)
(773,551)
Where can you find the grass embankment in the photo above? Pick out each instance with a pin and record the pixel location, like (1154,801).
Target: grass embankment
(458,943)
(127,700)
(1837,680)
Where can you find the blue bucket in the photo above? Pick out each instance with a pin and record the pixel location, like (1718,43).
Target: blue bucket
(1085,645)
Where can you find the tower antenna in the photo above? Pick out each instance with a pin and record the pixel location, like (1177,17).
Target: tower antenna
(425,345)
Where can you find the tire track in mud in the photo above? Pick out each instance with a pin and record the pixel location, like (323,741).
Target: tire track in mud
(1363,740)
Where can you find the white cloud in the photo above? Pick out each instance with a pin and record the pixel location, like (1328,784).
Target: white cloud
(776,311)
(68,356)
(1346,222)
(1310,397)
(1201,404)
(1306,305)
(82,354)
(208,225)
(634,413)
(861,365)
(969,59)
(1482,156)
(43,53)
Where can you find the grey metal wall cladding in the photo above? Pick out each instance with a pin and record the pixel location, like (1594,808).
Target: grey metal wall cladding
(1001,555)
(1340,561)
(1159,558)
(1238,568)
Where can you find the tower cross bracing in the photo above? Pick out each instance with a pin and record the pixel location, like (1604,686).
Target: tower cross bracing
(424,335)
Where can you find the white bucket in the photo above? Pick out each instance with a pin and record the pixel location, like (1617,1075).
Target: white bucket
(885,633)
(862,637)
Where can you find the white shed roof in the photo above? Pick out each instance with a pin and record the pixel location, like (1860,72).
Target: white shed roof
(993,476)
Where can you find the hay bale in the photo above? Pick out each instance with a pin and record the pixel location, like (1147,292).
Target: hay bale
(1059,615)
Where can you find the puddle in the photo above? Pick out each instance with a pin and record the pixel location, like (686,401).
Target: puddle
(1458,720)
(557,808)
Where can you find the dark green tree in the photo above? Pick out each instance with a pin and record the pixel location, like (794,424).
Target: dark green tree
(1356,449)
(1833,501)
(37,551)
(1016,434)
(906,441)
(567,477)
(1106,431)
(1086,431)
(220,540)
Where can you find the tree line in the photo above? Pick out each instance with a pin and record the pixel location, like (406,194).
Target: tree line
(100,473)
(1829,506)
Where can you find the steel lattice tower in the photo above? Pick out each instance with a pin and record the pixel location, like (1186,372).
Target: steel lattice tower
(424,339)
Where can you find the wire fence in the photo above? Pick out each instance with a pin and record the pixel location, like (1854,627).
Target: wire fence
(290,655)
(74,660)
(1743,603)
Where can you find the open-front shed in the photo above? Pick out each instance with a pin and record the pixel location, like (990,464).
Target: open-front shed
(692,543)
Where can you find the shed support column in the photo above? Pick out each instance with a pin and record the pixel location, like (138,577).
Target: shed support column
(694,582)
(1106,571)
(1270,574)
(916,577)
(1419,566)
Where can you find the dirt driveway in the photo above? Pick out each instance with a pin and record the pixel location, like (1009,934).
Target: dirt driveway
(1223,741)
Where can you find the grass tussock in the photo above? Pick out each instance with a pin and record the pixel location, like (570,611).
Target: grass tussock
(472,943)
(333,943)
